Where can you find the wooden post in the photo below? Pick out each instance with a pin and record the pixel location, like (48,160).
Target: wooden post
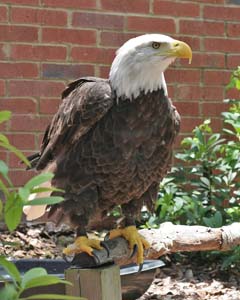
(95,284)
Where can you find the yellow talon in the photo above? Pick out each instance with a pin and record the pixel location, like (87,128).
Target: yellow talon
(131,234)
(82,244)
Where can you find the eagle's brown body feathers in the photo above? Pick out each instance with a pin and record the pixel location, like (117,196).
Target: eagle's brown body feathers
(107,151)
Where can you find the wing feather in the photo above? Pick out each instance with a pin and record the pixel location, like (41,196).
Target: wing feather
(85,101)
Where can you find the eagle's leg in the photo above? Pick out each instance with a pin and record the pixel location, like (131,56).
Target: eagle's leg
(136,242)
(83,244)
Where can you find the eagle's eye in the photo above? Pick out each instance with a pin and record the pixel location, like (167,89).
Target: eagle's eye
(156,45)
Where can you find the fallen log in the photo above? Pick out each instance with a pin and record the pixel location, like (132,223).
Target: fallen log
(168,238)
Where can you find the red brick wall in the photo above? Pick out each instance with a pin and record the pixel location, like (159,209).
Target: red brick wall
(46,43)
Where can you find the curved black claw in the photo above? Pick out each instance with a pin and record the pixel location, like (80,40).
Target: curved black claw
(140,268)
(96,258)
(105,246)
(135,249)
(106,238)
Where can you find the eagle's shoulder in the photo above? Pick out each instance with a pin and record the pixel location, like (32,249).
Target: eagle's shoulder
(76,84)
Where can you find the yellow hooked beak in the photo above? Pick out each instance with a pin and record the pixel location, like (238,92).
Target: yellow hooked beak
(180,49)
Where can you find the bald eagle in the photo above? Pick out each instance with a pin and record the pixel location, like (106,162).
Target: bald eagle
(110,143)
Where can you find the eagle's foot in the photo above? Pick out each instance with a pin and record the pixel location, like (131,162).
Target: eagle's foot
(83,244)
(136,242)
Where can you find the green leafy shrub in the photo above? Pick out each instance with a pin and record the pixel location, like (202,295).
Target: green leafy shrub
(204,187)
(11,206)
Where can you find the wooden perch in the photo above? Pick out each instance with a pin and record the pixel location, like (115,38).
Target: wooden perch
(169,238)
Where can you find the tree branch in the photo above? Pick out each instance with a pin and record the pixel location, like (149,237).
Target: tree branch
(169,238)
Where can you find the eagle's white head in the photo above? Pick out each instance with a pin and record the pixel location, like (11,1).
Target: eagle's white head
(140,63)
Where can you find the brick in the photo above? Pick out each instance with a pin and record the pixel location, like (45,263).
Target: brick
(216,124)
(83,4)
(233,29)
(114,39)
(3,155)
(3,14)
(151,24)
(205,60)
(21,2)
(212,1)
(182,76)
(20,177)
(187,109)
(14,162)
(38,16)
(197,93)
(176,9)
(38,53)
(97,20)
(222,45)
(36,88)
(49,105)
(233,60)
(232,94)
(39,139)
(2,88)
(133,6)
(213,109)
(220,13)
(18,70)
(73,36)
(29,123)
(201,27)
(188,124)
(4,52)
(22,141)
(104,71)
(18,33)
(171,90)
(18,105)
(66,71)
(212,93)
(193,42)
(93,55)
(3,126)
(216,77)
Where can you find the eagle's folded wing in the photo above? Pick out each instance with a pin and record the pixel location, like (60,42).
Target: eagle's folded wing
(85,102)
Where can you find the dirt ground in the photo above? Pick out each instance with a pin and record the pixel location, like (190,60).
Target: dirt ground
(191,280)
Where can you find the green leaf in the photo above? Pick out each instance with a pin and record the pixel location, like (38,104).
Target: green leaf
(11,269)
(17,152)
(24,193)
(45,200)
(31,274)
(3,168)
(5,115)
(44,281)
(37,180)
(4,139)
(1,208)
(4,171)
(205,181)
(8,292)
(4,188)
(52,297)
(214,221)
(45,189)
(13,211)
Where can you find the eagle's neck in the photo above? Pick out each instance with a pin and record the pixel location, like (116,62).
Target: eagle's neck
(128,78)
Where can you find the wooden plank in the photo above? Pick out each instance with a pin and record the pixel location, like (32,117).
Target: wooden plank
(95,284)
